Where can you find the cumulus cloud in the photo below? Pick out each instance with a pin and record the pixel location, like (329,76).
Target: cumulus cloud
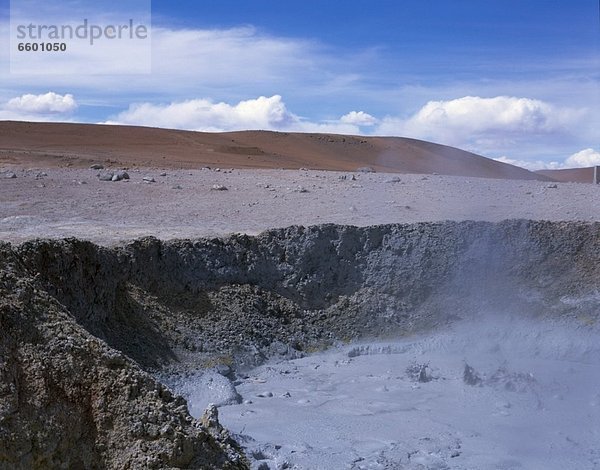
(475,114)
(262,113)
(583,158)
(44,107)
(204,115)
(484,124)
(359,118)
(532,165)
(41,104)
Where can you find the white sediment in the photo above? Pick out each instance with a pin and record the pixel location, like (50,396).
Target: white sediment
(362,406)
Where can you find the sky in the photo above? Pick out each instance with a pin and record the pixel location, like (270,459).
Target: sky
(512,80)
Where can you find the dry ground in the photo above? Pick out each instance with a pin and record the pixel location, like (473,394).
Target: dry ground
(74,203)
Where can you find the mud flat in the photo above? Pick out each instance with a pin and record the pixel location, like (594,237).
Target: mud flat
(501,392)
(88,332)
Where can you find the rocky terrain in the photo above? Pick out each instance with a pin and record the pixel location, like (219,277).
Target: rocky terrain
(68,400)
(86,329)
(61,203)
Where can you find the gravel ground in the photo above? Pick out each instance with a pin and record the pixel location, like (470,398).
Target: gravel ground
(60,203)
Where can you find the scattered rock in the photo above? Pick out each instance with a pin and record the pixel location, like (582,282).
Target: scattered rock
(265,395)
(512,381)
(218,187)
(177,186)
(223,369)
(395,179)
(420,373)
(552,186)
(41,175)
(210,418)
(148,179)
(365,169)
(114,176)
(97,166)
(10,175)
(470,377)
(163,174)
(301,189)
(122,175)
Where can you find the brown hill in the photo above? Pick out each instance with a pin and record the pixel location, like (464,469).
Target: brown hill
(573,175)
(79,145)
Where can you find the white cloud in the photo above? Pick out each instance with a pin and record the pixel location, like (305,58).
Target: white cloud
(359,118)
(532,165)
(203,114)
(44,107)
(234,62)
(484,125)
(583,158)
(263,113)
(42,104)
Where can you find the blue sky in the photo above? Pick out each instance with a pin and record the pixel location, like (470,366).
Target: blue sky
(516,80)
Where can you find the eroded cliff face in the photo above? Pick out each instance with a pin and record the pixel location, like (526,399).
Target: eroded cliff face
(82,325)
(68,400)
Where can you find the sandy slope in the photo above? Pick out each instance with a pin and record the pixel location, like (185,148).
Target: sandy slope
(574,175)
(79,145)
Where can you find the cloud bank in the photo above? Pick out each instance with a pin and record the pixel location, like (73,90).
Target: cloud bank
(262,113)
(582,159)
(203,115)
